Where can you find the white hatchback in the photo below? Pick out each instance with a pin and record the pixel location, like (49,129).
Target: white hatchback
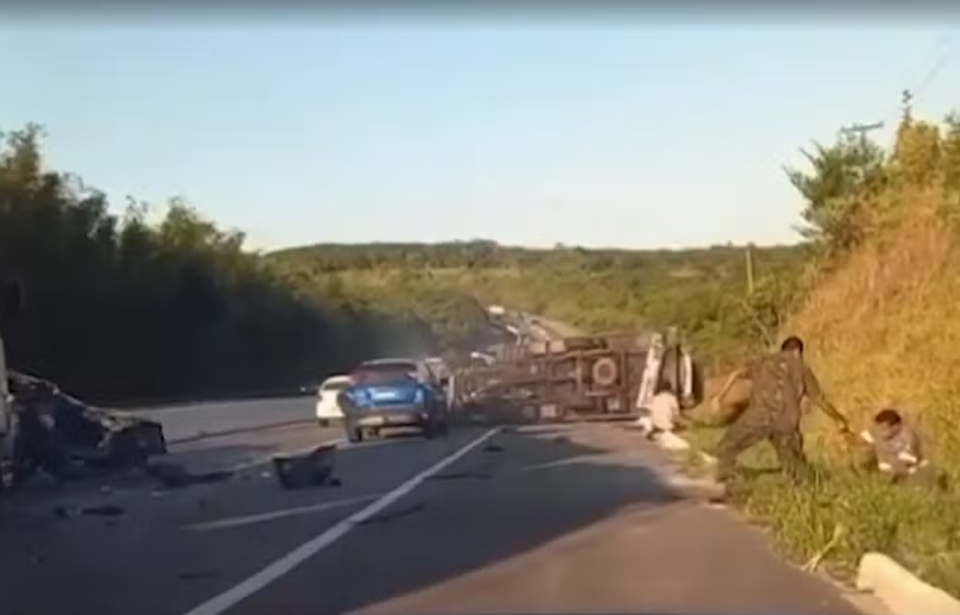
(328,409)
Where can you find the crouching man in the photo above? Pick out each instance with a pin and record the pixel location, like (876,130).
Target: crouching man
(896,450)
(661,418)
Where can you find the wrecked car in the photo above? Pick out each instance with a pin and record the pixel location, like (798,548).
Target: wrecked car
(67,438)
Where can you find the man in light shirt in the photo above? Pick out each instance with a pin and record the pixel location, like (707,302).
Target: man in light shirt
(660,414)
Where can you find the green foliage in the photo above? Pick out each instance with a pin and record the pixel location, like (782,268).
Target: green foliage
(702,291)
(843,177)
(121,309)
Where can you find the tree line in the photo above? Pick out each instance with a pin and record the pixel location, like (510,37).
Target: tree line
(118,308)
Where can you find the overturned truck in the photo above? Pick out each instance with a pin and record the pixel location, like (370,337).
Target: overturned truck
(590,377)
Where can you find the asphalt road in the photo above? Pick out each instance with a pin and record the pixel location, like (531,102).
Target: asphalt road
(547,520)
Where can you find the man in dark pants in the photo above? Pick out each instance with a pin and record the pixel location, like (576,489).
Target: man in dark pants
(780,382)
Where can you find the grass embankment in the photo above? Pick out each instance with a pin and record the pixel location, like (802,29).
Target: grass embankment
(882,329)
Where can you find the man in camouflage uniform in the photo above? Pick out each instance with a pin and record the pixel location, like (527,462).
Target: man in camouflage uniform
(780,382)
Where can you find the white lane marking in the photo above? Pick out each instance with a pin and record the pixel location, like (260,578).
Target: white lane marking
(277,514)
(272,572)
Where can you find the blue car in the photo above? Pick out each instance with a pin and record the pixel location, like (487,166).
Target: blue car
(393,393)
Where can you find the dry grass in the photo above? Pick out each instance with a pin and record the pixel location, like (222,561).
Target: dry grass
(882,330)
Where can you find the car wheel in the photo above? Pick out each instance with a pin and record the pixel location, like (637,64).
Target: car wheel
(429,430)
(323,422)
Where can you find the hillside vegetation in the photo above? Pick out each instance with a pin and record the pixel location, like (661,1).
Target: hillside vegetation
(703,291)
(120,309)
(882,329)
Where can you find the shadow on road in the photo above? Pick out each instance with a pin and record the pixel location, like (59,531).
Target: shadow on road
(206,435)
(519,492)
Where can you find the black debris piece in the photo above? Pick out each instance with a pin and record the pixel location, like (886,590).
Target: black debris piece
(311,469)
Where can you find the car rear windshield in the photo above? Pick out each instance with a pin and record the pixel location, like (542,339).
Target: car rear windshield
(385,372)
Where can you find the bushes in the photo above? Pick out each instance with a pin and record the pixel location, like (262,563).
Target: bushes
(121,309)
(702,291)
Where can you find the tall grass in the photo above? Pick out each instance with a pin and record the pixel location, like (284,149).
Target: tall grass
(882,329)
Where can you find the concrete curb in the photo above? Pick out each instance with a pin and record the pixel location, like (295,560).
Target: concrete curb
(900,591)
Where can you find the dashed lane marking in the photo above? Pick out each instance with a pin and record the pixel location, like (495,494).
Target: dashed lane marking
(287,563)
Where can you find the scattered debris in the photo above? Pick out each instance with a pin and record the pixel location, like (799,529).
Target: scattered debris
(311,469)
(394,515)
(68,439)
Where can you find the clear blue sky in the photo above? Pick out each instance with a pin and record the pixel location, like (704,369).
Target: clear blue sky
(630,134)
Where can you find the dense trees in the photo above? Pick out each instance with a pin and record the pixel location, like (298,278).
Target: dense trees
(703,291)
(119,308)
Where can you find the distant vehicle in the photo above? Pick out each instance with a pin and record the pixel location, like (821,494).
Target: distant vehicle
(328,404)
(393,393)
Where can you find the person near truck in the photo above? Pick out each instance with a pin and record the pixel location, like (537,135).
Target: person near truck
(781,380)
(661,413)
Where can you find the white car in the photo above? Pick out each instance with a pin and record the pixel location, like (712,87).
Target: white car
(328,409)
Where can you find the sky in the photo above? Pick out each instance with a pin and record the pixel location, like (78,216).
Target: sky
(631,133)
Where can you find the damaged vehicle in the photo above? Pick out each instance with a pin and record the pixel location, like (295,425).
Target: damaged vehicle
(66,438)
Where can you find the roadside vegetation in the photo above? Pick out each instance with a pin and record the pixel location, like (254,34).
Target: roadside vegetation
(882,330)
(702,291)
(119,308)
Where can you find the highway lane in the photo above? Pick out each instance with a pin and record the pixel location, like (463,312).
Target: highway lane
(572,519)
(197,420)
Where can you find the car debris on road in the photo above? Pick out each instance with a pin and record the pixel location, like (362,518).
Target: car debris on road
(313,468)
(67,438)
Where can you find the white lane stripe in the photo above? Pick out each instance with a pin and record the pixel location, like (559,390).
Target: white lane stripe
(277,514)
(284,565)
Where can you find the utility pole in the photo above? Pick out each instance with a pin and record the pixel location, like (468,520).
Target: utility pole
(907,100)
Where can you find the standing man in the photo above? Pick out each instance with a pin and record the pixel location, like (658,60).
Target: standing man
(780,382)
